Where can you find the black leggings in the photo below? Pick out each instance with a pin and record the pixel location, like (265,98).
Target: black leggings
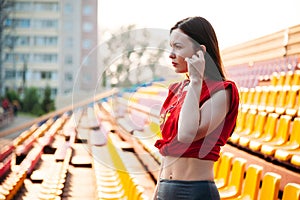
(187,190)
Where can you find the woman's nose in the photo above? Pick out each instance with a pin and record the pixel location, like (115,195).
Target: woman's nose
(172,55)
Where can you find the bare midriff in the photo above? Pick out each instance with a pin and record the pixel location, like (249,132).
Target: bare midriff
(190,169)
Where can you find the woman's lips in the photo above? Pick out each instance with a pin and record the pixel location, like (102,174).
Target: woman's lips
(174,64)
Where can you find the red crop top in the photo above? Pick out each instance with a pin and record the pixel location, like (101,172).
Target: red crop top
(207,148)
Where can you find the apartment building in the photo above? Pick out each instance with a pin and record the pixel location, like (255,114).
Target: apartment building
(50,42)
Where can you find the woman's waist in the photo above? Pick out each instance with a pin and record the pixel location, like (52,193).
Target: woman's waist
(183,168)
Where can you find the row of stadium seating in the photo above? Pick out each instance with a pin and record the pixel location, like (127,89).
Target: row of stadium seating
(235,180)
(251,75)
(24,154)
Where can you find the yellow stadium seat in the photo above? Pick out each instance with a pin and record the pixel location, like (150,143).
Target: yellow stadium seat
(282,77)
(251,183)
(263,98)
(271,102)
(258,129)
(274,78)
(283,139)
(250,98)
(243,92)
(240,123)
(268,133)
(281,135)
(293,141)
(295,160)
(256,97)
(217,165)
(285,151)
(234,187)
(248,127)
(270,186)
(296,78)
(288,78)
(291,191)
(281,99)
(224,170)
(291,100)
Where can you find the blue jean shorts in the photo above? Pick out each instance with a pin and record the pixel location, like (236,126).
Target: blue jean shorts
(187,190)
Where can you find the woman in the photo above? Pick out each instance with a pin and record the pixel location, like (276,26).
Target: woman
(198,115)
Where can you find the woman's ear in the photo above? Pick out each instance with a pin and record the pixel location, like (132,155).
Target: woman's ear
(203,48)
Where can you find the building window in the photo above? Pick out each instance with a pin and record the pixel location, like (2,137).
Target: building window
(68,60)
(54,75)
(66,91)
(45,41)
(45,58)
(87,44)
(17,23)
(46,6)
(88,27)
(12,41)
(68,26)
(16,57)
(87,10)
(53,92)
(9,74)
(45,23)
(68,76)
(68,9)
(22,6)
(46,75)
(69,42)
(23,41)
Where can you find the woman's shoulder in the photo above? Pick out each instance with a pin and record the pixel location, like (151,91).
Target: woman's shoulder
(225,84)
(174,86)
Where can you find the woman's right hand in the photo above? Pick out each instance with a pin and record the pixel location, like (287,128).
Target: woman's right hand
(196,66)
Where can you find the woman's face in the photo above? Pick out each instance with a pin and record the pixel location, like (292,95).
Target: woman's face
(181,48)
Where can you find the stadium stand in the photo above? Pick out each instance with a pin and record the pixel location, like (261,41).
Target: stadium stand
(102,148)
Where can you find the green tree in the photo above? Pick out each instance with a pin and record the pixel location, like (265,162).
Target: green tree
(31,103)
(47,103)
(12,95)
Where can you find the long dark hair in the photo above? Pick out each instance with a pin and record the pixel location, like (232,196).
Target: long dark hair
(201,31)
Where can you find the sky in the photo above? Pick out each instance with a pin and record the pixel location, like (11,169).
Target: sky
(234,21)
